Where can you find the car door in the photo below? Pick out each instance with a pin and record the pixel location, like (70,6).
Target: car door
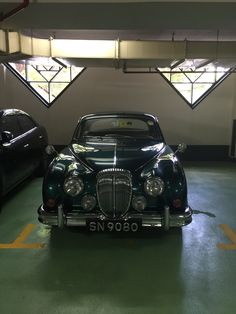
(34,141)
(10,151)
(28,129)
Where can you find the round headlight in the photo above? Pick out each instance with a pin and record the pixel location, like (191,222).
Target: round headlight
(154,186)
(73,186)
(88,202)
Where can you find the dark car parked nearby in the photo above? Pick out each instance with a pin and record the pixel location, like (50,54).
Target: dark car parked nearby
(22,148)
(117,174)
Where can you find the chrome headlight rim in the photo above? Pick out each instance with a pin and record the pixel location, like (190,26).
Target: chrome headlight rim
(154,186)
(73,186)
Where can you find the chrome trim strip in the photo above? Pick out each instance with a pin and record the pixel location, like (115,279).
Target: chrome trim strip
(167,218)
(60,217)
(153,220)
(115,160)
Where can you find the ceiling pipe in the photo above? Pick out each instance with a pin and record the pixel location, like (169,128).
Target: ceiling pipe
(23,5)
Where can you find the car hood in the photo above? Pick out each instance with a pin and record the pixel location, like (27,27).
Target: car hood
(116,154)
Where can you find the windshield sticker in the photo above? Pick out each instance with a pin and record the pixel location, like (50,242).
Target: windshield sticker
(125,124)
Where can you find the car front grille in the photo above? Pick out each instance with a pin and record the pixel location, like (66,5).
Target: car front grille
(114,191)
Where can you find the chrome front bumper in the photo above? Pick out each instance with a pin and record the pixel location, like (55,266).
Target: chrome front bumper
(165,221)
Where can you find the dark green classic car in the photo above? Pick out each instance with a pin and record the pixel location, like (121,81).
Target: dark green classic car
(117,174)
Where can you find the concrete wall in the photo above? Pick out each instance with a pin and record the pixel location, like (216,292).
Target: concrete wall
(103,89)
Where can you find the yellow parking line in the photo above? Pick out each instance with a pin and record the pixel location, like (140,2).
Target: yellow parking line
(18,243)
(231,235)
(24,234)
(22,246)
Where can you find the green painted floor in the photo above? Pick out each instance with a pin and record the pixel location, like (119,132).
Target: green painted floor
(182,271)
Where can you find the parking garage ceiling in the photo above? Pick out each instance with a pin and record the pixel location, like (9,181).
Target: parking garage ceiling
(202,30)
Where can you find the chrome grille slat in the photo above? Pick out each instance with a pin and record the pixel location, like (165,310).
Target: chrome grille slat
(114,191)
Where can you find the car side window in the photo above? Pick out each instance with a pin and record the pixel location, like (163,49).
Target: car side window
(26,123)
(9,123)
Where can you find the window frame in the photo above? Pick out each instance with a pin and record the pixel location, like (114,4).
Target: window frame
(194,104)
(27,84)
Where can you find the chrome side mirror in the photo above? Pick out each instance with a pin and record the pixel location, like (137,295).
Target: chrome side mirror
(181,148)
(51,151)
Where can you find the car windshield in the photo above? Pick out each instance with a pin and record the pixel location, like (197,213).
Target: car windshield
(125,127)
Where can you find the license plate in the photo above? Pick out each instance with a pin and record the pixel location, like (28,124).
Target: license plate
(113,225)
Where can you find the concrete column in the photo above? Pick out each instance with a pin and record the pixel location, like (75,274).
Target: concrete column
(232,151)
(234,99)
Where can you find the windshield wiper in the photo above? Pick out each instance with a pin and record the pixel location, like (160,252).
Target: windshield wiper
(97,137)
(118,135)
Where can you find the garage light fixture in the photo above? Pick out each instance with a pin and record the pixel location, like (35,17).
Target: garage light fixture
(47,78)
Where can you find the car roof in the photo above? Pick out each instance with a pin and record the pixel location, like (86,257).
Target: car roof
(6,112)
(119,113)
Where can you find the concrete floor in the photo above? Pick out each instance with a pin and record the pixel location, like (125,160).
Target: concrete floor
(186,271)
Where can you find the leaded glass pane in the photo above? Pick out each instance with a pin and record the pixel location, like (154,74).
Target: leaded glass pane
(42,89)
(34,75)
(20,68)
(219,75)
(207,78)
(48,75)
(185,90)
(47,81)
(167,75)
(40,67)
(179,78)
(195,82)
(62,76)
(56,89)
(75,71)
(193,76)
(199,90)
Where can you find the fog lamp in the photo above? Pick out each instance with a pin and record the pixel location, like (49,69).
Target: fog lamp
(88,202)
(73,186)
(139,203)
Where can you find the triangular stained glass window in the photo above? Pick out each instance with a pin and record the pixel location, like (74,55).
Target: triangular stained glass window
(192,81)
(47,81)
